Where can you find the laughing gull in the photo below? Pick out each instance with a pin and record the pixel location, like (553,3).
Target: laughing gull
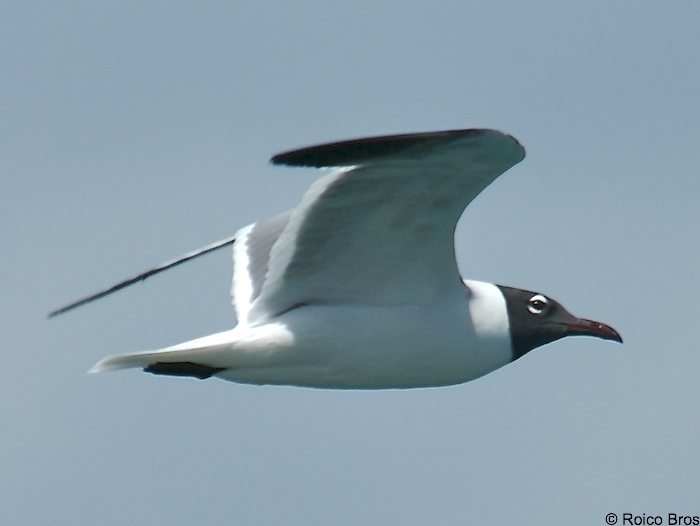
(358,287)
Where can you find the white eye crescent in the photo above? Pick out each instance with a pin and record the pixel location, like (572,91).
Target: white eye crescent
(538,304)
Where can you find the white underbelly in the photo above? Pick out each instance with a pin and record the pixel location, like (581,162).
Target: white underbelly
(365,347)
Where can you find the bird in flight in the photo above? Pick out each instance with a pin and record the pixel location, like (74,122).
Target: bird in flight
(358,287)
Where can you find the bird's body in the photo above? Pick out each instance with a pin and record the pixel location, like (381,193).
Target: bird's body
(358,287)
(356,347)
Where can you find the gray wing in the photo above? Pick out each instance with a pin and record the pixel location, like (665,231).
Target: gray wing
(382,231)
(379,232)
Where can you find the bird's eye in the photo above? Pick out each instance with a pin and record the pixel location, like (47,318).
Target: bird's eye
(538,304)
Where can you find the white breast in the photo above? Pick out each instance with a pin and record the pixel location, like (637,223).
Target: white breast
(346,346)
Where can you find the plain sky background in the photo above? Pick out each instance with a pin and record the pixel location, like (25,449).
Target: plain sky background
(131,132)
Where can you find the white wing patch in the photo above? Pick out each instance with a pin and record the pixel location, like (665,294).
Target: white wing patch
(251,256)
(242,286)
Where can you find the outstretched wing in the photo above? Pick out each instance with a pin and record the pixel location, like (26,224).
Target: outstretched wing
(380,232)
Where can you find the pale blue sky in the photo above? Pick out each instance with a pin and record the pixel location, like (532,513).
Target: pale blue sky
(132,132)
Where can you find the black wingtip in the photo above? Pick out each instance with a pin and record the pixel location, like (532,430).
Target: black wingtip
(357,151)
(144,275)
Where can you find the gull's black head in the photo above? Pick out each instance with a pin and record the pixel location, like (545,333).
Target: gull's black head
(535,320)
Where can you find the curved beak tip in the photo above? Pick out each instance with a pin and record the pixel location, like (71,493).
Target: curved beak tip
(612,334)
(594,328)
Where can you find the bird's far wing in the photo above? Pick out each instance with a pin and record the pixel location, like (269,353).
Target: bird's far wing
(251,255)
(381,231)
(143,275)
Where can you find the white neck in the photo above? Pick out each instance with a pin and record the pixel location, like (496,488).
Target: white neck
(488,310)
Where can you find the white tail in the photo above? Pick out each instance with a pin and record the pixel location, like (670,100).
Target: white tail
(126,361)
(204,352)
